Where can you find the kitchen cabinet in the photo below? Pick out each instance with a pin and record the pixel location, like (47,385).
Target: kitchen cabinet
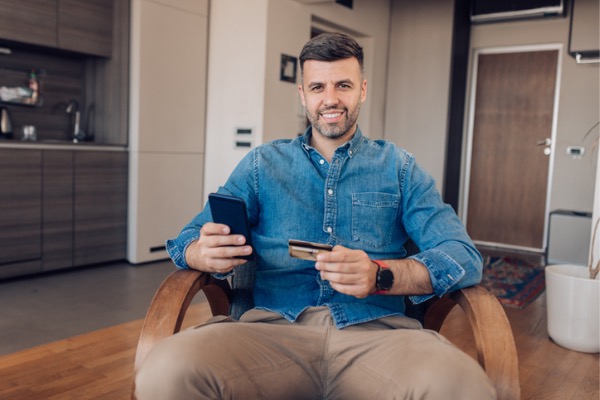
(29,21)
(20,211)
(57,200)
(82,26)
(61,209)
(85,26)
(100,209)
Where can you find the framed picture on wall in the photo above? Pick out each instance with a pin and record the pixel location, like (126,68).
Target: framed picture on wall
(288,68)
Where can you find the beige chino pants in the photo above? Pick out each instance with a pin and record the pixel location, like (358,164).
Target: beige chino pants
(266,357)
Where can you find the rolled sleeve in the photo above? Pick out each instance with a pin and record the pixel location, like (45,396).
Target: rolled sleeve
(445,273)
(176,247)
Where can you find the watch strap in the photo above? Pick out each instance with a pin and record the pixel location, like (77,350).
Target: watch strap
(381,264)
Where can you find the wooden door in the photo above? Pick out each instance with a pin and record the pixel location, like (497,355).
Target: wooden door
(512,118)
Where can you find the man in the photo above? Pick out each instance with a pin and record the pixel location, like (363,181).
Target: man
(333,328)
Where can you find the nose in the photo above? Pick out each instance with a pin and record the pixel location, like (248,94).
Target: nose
(330,96)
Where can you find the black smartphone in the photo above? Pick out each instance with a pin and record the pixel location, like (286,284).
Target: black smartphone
(231,211)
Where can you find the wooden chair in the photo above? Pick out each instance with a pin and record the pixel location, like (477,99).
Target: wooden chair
(495,346)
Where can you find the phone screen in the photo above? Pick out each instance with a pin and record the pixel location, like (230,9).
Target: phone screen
(231,211)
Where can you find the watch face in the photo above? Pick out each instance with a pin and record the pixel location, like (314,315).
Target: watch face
(385,279)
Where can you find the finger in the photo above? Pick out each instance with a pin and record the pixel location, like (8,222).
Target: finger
(337,254)
(223,259)
(343,267)
(223,240)
(211,228)
(345,277)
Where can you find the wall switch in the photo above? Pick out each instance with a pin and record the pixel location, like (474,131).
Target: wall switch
(576,151)
(243,138)
(243,144)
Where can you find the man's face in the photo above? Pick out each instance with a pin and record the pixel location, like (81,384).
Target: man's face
(332,93)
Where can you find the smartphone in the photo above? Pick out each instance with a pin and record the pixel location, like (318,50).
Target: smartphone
(231,211)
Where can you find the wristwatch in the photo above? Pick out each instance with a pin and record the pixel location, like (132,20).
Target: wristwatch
(385,277)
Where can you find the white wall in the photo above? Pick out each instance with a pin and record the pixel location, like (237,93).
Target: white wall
(235,97)
(244,89)
(419,81)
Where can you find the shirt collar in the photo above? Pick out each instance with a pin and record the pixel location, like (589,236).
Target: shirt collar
(350,146)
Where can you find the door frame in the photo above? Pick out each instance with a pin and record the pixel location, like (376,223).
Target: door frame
(463,211)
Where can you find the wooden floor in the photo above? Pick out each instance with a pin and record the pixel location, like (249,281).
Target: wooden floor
(98,365)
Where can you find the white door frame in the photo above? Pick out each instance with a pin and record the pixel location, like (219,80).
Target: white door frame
(469,133)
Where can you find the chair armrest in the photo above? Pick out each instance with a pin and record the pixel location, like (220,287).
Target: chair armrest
(496,350)
(170,303)
(167,309)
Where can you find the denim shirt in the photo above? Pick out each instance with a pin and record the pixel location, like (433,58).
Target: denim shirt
(371,196)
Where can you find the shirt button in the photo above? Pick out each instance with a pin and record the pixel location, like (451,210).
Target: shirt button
(330,192)
(321,162)
(350,152)
(329,229)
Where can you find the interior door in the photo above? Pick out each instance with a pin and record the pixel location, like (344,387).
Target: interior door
(511,136)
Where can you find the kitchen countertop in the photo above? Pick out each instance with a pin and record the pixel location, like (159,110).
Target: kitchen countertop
(58,145)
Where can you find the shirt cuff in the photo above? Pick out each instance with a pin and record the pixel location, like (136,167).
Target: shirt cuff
(176,247)
(443,271)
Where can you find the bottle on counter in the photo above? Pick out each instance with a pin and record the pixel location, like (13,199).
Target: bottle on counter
(34,87)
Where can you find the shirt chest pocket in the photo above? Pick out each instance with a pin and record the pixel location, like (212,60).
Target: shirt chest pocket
(374,217)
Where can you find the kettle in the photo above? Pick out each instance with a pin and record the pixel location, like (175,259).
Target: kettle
(6,130)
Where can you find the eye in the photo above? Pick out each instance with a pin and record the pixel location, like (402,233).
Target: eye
(316,88)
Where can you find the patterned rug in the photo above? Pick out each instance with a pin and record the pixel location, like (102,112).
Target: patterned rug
(515,282)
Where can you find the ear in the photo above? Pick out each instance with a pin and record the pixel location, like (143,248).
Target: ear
(301,91)
(363,91)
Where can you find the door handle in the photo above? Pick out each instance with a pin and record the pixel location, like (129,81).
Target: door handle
(545,142)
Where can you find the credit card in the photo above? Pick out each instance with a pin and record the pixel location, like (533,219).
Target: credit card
(307,250)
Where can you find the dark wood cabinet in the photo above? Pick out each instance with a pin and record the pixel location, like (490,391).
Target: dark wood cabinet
(86,26)
(61,209)
(57,200)
(29,21)
(82,26)
(100,209)
(20,211)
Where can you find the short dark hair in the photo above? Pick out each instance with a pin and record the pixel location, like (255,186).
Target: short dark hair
(331,47)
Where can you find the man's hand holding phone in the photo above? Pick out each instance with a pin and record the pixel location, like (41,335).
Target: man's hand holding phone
(217,250)
(226,242)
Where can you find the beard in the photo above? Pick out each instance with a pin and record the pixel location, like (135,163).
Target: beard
(335,130)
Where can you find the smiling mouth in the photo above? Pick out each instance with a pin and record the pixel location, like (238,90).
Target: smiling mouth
(332,116)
